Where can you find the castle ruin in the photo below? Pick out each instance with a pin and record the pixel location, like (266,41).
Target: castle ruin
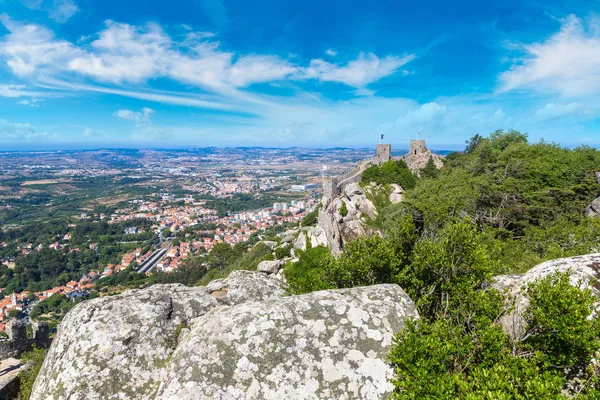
(417,157)
(18,342)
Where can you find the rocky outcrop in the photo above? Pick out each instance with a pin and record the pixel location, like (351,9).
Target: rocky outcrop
(324,345)
(243,286)
(341,229)
(585,271)
(270,267)
(173,342)
(593,210)
(10,374)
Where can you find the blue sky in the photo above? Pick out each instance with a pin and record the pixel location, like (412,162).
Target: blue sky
(312,73)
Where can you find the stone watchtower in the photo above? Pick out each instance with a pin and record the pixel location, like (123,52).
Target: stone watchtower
(384,153)
(417,147)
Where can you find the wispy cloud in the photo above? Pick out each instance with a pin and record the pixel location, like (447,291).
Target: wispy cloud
(568,63)
(31,103)
(15,91)
(24,132)
(58,10)
(368,68)
(144,129)
(62,10)
(130,54)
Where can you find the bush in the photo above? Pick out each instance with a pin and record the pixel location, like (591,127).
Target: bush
(308,274)
(557,322)
(343,209)
(311,218)
(282,252)
(474,359)
(36,358)
(390,172)
(447,269)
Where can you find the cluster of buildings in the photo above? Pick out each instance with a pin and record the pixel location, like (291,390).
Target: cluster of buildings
(20,301)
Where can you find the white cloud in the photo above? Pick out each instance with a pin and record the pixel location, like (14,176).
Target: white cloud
(89,132)
(31,49)
(567,63)
(552,111)
(144,129)
(11,90)
(138,117)
(124,53)
(367,69)
(62,10)
(30,103)
(58,10)
(23,132)
(331,52)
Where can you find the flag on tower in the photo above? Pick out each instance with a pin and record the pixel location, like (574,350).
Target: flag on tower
(382,137)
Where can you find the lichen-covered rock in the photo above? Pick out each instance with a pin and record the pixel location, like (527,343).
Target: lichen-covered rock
(174,342)
(270,266)
(323,345)
(242,286)
(585,271)
(118,347)
(593,210)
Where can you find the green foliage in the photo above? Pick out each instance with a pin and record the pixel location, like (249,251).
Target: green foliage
(308,274)
(447,269)
(557,323)
(343,209)
(282,252)
(57,304)
(242,261)
(505,183)
(35,358)
(310,219)
(390,172)
(430,170)
(475,359)
(374,259)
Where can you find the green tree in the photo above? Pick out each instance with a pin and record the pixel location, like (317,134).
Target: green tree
(430,170)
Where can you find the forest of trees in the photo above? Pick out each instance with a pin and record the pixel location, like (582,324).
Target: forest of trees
(47,268)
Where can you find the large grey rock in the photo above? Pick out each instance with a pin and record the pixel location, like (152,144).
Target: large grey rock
(318,236)
(301,243)
(353,189)
(270,267)
(593,210)
(269,243)
(242,286)
(324,345)
(397,193)
(118,347)
(585,271)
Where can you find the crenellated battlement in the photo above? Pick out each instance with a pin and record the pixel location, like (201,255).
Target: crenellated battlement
(18,342)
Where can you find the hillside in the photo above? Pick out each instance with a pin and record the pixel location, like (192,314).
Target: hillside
(431,286)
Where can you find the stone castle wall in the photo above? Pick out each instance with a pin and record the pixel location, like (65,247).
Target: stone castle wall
(18,342)
(416,158)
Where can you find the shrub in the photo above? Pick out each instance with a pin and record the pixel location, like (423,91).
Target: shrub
(343,209)
(36,358)
(308,274)
(557,322)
